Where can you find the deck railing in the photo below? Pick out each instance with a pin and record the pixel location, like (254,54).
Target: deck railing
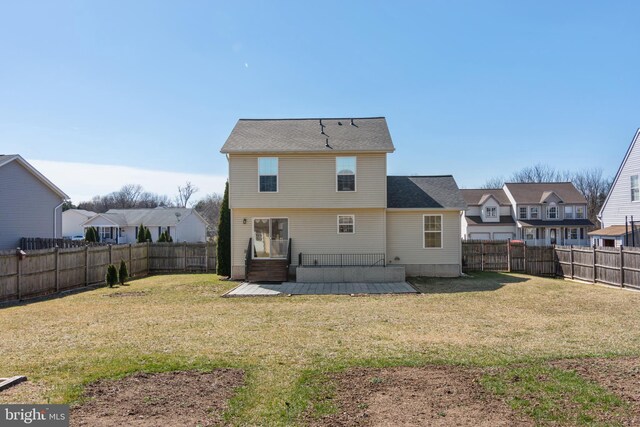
(341,260)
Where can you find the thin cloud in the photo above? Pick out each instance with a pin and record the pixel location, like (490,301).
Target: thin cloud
(82,181)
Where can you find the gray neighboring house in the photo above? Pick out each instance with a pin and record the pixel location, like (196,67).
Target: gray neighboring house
(121,225)
(622,203)
(31,204)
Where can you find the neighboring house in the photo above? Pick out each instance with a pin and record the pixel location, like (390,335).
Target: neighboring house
(31,204)
(622,204)
(318,188)
(551,213)
(72,220)
(488,216)
(121,225)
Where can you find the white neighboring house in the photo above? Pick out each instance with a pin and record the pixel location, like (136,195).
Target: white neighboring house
(121,225)
(30,204)
(72,220)
(488,216)
(622,203)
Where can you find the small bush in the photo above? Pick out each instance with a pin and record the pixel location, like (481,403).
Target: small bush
(123,274)
(112,275)
(147,235)
(141,233)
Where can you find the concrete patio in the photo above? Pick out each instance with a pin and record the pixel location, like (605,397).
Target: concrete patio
(292,288)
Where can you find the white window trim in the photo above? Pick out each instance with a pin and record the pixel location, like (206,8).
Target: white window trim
(572,211)
(486,213)
(557,212)
(530,212)
(269,218)
(353,220)
(631,188)
(425,231)
(277,175)
(584,212)
(355,175)
(526,208)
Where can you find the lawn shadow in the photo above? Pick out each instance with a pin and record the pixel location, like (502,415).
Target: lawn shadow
(472,282)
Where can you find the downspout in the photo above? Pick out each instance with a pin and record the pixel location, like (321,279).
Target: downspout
(55,222)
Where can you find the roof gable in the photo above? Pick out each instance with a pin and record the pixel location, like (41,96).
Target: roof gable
(635,139)
(533,193)
(476,197)
(435,192)
(6,159)
(321,135)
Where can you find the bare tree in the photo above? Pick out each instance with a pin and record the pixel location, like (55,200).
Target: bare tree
(184,194)
(594,187)
(209,208)
(540,173)
(127,197)
(492,183)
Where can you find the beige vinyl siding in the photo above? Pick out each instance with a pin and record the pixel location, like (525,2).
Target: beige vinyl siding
(308,181)
(405,238)
(313,231)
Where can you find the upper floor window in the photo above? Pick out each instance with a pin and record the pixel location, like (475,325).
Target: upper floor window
(346,173)
(432,227)
(523,212)
(346,224)
(552,212)
(580,212)
(568,212)
(635,188)
(491,212)
(534,212)
(268,171)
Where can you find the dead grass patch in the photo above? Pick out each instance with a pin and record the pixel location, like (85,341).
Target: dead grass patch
(163,399)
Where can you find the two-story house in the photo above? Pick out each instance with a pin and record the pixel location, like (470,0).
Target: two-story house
(620,214)
(550,213)
(319,187)
(488,215)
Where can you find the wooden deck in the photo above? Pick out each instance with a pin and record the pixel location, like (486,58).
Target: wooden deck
(292,288)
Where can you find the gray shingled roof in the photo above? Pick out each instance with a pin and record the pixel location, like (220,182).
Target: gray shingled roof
(304,135)
(476,196)
(148,217)
(424,192)
(477,220)
(531,193)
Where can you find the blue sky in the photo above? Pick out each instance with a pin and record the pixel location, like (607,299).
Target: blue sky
(474,89)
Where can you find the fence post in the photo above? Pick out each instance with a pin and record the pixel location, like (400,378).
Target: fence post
(110,254)
(509,255)
(130,260)
(148,255)
(571,259)
(594,263)
(19,261)
(206,256)
(524,257)
(86,265)
(481,256)
(57,256)
(185,256)
(621,266)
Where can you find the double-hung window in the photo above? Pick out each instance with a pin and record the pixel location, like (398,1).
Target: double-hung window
(346,224)
(568,212)
(432,228)
(268,172)
(346,173)
(579,212)
(523,212)
(534,212)
(491,212)
(635,188)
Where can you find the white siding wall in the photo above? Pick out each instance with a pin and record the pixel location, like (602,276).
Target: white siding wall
(72,223)
(311,231)
(190,229)
(619,203)
(308,181)
(26,207)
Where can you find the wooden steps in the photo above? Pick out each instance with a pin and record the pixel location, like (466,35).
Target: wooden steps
(268,270)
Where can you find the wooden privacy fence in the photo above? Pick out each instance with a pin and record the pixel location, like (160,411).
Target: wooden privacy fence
(49,271)
(611,266)
(505,255)
(33,243)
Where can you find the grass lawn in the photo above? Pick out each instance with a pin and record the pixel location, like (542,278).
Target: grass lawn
(180,322)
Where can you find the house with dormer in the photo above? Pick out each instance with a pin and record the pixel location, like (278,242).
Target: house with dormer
(314,194)
(550,213)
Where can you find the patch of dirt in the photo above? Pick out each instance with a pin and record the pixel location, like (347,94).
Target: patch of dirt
(434,396)
(620,376)
(167,399)
(126,294)
(24,392)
